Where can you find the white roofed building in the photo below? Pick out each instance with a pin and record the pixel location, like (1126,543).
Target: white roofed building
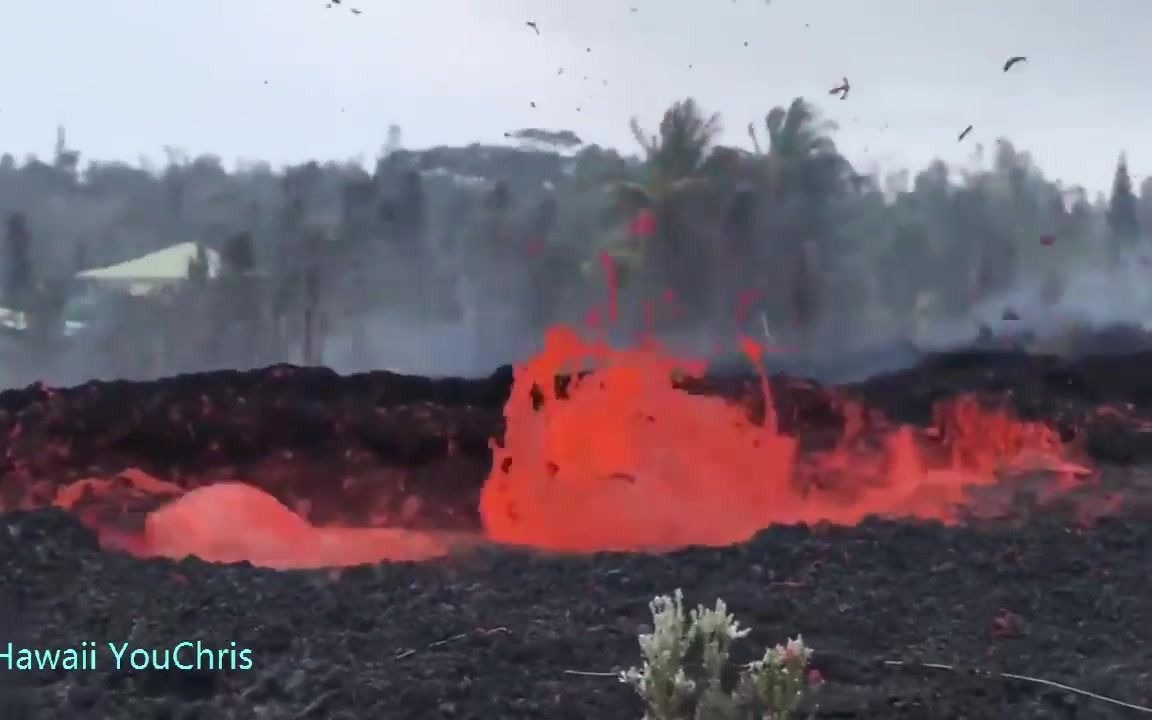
(154,271)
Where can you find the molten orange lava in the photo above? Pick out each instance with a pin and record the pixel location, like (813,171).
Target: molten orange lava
(235,522)
(228,522)
(626,461)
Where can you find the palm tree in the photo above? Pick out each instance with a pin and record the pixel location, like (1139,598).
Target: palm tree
(677,180)
(676,154)
(801,157)
(18,279)
(498,205)
(800,173)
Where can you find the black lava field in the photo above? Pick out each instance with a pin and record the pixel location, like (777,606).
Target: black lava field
(1058,591)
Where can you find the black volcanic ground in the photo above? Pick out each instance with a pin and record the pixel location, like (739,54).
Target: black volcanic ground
(491,634)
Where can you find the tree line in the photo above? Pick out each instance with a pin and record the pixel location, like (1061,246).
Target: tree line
(517,234)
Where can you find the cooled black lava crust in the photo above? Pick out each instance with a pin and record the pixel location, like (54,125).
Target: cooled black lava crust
(491,634)
(298,430)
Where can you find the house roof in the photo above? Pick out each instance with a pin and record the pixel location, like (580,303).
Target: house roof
(163,266)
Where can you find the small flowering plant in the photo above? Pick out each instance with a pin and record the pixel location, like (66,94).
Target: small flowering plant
(686,673)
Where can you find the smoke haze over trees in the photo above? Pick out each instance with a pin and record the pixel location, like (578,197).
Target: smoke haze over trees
(454,259)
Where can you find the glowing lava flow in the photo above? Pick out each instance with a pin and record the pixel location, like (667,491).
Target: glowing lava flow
(235,522)
(626,462)
(232,522)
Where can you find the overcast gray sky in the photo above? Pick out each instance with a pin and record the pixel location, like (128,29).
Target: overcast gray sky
(288,80)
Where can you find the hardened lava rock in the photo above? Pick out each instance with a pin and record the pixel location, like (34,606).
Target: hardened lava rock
(507,634)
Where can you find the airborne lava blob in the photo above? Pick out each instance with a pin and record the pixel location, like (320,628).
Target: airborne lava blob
(623,460)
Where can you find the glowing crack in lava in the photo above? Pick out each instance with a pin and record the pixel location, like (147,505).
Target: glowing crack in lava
(626,461)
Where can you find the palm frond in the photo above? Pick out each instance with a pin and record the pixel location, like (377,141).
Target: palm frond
(647,142)
(755,139)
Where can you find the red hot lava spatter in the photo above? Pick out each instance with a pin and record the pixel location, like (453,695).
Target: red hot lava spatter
(626,461)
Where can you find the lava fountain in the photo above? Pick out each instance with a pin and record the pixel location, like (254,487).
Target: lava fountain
(622,459)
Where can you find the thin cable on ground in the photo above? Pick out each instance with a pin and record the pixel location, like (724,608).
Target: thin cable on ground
(951,668)
(1026,678)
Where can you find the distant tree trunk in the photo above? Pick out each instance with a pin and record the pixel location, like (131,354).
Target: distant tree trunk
(996,267)
(806,295)
(285,277)
(360,264)
(237,302)
(737,272)
(45,322)
(666,273)
(545,283)
(18,276)
(498,282)
(1123,220)
(312,341)
(413,237)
